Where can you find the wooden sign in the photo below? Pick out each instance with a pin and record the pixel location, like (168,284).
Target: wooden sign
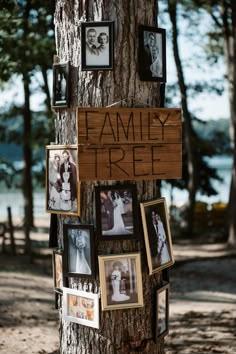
(129,143)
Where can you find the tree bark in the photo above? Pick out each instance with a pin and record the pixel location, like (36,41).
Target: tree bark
(130,330)
(188,130)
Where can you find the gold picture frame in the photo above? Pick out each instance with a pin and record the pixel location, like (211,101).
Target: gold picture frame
(121,281)
(157,235)
(62,184)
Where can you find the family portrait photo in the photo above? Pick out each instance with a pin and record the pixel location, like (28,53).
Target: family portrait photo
(116,210)
(81,307)
(97,45)
(162,315)
(60,92)
(152,54)
(157,235)
(61,179)
(78,250)
(57,270)
(121,281)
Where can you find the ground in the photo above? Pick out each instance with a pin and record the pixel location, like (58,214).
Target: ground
(202,301)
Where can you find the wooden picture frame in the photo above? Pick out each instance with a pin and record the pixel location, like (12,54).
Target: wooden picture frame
(116,211)
(57,266)
(97,41)
(152,54)
(121,281)
(60,89)
(78,250)
(62,185)
(162,312)
(157,235)
(81,307)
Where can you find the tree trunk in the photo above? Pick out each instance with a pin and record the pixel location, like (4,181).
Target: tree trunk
(230,54)
(188,130)
(120,331)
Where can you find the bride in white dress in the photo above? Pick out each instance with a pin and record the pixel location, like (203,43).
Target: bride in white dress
(79,241)
(162,248)
(119,226)
(116,281)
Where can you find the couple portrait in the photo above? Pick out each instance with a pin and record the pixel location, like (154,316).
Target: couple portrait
(116,212)
(62,180)
(97,45)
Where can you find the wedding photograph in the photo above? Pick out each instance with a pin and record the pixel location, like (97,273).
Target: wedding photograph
(57,266)
(60,91)
(157,234)
(121,281)
(97,45)
(162,311)
(78,250)
(81,307)
(116,212)
(62,187)
(152,54)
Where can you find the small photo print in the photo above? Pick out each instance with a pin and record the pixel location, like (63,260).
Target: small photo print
(61,180)
(60,96)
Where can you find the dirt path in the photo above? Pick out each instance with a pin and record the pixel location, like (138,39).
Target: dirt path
(202,302)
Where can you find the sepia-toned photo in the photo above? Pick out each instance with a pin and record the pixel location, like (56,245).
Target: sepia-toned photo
(60,92)
(57,262)
(157,235)
(78,250)
(152,54)
(62,188)
(81,307)
(97,45)
(162,313)
(121,281)
(116,211)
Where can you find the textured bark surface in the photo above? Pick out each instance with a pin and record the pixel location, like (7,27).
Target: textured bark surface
(130,330)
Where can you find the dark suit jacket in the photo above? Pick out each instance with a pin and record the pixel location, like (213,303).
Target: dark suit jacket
(72,178)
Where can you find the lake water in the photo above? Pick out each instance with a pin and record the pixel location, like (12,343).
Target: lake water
(14,199)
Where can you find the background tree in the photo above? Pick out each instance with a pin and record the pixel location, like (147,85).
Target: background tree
(121,331)
(26,48)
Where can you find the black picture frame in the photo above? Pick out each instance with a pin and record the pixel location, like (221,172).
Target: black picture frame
(162,312)
(57,266)
(97,42)
(116,212)
(152,54)
(78,251)
(60,91)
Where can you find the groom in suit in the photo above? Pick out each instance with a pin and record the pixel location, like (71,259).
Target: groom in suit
(153,240)
(109,209)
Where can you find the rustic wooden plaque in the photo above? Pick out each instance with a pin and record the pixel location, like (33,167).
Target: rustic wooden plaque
(129,143)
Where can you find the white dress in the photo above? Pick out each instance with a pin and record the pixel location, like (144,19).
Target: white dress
(54,195)
(116,279)
(162,246)
(119,226)
(82,266)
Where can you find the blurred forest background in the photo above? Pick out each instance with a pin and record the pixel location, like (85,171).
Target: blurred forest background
(201,47)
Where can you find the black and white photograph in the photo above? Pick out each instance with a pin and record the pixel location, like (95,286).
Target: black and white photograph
(152,54)
(62,186)
(57,257)
(157,235)
(78,250)
(60,96)
(116,211)
(121,281)
(162,311)
(97,45)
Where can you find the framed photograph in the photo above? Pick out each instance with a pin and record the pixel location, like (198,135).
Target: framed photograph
(78,250)
(152,54)
(162,312)
(116,211)
(97,41)
(57,266)
(121,281)
(81,307)
(60,92)
(157,235)
(62,186)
